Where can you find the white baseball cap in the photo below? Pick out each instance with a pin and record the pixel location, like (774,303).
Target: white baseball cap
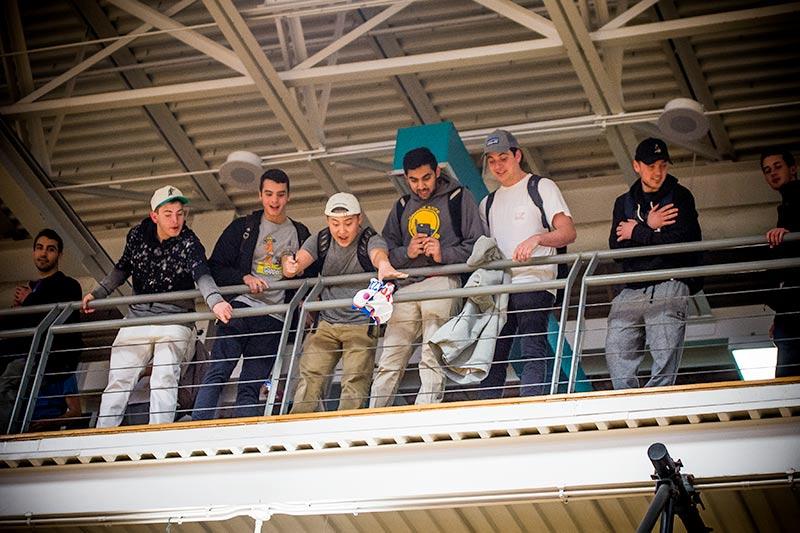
(346,203)
(167,194)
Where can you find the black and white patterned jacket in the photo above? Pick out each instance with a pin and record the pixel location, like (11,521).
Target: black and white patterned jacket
(174,264)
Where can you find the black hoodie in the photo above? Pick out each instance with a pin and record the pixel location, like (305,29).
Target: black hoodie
(636,204)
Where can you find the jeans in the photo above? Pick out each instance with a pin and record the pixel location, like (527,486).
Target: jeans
(256,338)
(527,317)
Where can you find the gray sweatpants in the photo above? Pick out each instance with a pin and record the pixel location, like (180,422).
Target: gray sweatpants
(656,313)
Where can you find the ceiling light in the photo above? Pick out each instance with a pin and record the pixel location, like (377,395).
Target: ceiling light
(683,119)
(756,363)
(241,169)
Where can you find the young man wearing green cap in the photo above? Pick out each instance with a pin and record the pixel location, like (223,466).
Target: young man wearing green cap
(161,255)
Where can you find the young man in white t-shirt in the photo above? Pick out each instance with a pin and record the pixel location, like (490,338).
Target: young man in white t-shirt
(515,222)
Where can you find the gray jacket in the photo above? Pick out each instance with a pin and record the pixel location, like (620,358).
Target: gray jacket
(465,344)
(433,216)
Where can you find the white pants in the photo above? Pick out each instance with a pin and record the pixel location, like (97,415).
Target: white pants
(169,346)
(409,321)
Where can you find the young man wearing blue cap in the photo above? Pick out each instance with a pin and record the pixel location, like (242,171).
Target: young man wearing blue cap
(655,210)
(523,227)
(161,255)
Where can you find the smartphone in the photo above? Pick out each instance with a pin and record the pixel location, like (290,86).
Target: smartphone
(424,229)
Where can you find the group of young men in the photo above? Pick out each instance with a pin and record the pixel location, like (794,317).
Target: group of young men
(436,224)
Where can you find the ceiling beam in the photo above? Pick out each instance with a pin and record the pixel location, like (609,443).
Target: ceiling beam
(159,115)
(381,68)
(688,26)
(308,93)
(24,77)
(408,86)
(99,56)
(373,69)
(604,96)
(354,34)
(631,13)
(521,15)
(273,90)
(190,37)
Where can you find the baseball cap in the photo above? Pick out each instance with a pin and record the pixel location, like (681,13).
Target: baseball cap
(651,150)
(345,202)
(499,141)
(166,194)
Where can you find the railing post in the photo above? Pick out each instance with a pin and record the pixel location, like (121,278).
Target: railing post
(298,343)
(579,320)
(23,383)
(37,380)
(562,325)
(285,332)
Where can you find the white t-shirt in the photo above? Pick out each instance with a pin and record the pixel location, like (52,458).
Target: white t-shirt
(514,217)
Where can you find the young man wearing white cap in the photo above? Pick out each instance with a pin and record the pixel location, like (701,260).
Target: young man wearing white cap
(249,251)
(342,333)
(161,255)
(528,217)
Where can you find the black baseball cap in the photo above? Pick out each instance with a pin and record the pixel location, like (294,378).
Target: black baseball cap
(651,150)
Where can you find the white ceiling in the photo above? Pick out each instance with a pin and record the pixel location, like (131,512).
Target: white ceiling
(730,55)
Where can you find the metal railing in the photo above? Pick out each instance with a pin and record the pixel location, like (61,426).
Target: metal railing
(53,324)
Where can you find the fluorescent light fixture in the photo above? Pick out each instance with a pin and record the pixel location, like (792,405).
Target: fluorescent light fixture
(756,363)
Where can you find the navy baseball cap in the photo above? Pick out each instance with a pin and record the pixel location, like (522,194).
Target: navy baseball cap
(651,150)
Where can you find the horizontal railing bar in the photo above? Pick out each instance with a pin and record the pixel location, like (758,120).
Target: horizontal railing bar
(415,296)
(689,272)
(180,318)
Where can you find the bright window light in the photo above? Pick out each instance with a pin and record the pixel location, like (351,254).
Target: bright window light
(756,363)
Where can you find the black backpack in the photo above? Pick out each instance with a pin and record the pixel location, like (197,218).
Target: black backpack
(533,192)
(362,251)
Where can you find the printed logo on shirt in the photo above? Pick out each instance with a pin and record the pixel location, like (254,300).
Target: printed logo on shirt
(267,263)
(425,220)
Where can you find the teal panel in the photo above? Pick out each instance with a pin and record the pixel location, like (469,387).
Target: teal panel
(443,140)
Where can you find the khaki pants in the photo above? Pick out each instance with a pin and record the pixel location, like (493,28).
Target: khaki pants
(322,351)
(409,321)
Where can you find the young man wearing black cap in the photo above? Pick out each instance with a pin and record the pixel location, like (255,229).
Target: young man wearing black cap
(523,230)
(161,255)
(780,172)
(655,210)
(249,251)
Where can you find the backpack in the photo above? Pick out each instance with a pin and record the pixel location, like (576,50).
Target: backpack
(362,250)
(453,206)
(533,192)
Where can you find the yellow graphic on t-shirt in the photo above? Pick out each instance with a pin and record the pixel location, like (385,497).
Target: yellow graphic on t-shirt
(267,262)
(425,220)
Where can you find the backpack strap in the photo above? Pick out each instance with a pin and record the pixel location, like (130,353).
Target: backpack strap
(323,245)
(399,207)
(487,207)
(533,192)
(454,206)
(363,249)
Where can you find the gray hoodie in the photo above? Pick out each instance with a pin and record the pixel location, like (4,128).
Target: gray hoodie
(433,215)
